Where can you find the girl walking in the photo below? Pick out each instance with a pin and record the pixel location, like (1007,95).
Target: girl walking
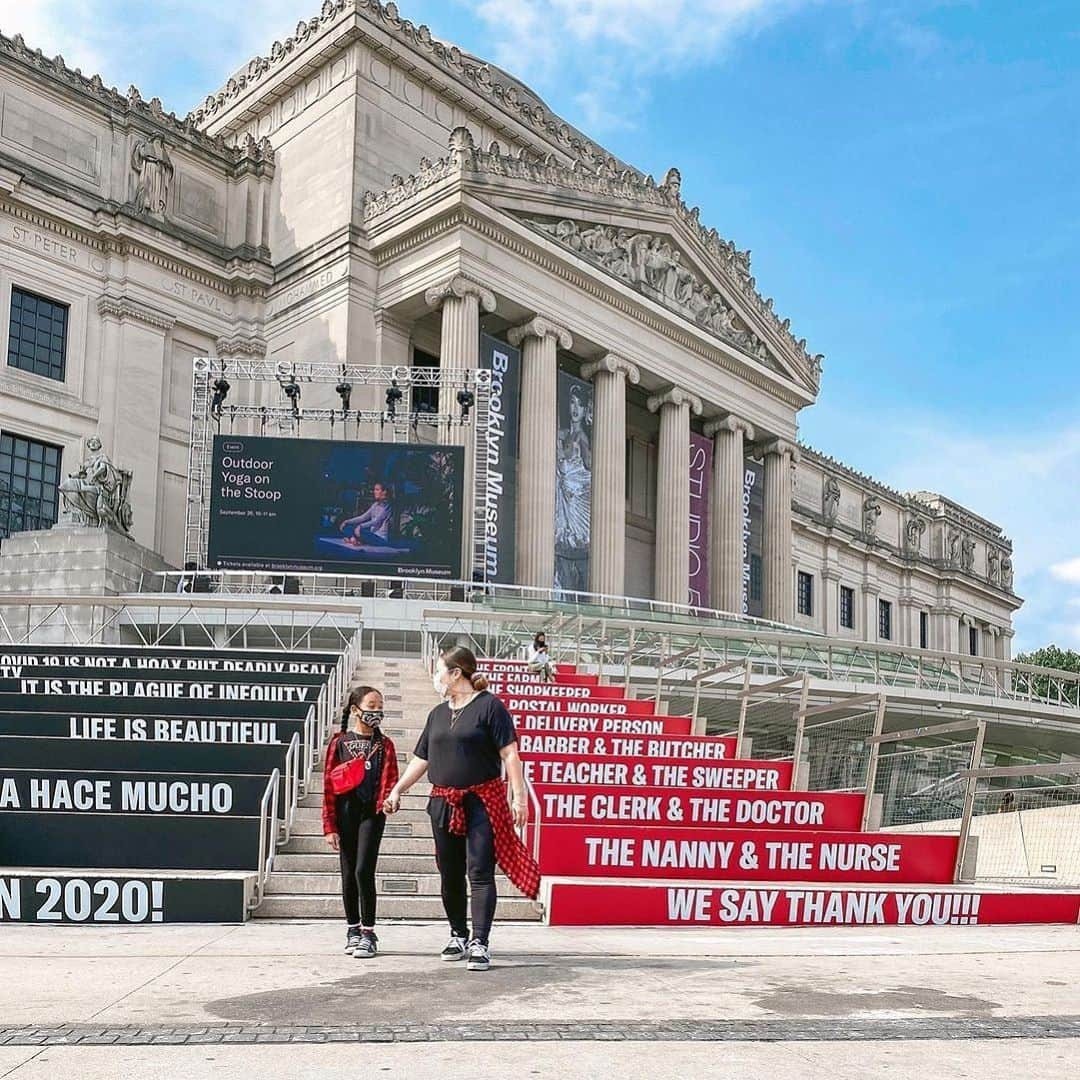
(468,740)
(361,771)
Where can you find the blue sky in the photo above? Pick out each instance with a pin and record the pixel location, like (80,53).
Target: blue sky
(904,171)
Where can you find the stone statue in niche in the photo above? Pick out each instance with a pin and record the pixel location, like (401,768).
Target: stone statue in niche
(98,494)
(870,513)
(967,553)
(830,499)
(153,169)
(650,263)
(913,533)
(952,552)
(993,564)
(1006,572)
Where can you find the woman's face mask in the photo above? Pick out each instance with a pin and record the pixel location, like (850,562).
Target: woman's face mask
(441,680)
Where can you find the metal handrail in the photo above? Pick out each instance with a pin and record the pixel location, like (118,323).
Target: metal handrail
(292,787)
(268,816)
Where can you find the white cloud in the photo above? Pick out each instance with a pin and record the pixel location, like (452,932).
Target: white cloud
(1068,571)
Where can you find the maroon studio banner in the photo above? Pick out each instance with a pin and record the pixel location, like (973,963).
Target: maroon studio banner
(602,725)
(841,811)
(722,776)
(620,904)
(746,855)
(701,456)
(693,747)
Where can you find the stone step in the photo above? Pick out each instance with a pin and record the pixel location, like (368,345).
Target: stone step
(427,908)
(313,811)
(329,884)
(417,796)
(392,862)
(416,841)
(308,822)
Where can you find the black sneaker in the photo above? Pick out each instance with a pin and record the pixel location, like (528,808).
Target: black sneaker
(368,945)
(352,939)
(455,949)
(479,957)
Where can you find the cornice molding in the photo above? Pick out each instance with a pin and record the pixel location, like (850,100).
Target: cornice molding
(251,154)
(123,308)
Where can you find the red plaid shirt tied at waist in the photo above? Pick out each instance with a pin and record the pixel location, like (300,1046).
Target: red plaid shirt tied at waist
(510,853)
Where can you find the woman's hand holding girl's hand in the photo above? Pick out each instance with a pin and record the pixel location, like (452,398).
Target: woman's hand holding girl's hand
(333,841)
(392,803)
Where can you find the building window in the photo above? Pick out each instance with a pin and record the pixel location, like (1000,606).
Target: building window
(37,334)
(884,620)
(924,630)
(755,580)
(847,608)
(806,593)
(973,640)
(29,484)
(425,399)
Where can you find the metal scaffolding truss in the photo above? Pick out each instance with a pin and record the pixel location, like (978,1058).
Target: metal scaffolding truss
(467,427)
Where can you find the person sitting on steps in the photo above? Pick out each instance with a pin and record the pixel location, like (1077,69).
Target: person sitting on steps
(538,659)
(361,771)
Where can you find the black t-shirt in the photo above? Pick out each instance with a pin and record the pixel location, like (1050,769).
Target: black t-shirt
(467,754)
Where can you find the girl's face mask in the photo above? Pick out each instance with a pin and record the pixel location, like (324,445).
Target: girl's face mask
(371,717)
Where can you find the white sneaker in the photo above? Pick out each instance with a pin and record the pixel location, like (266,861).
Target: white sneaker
(479,957)
(455,949)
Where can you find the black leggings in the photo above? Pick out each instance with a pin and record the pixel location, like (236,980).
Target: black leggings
(360,832)
(473,855)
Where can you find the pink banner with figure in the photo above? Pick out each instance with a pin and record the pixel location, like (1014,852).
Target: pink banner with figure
(700,482)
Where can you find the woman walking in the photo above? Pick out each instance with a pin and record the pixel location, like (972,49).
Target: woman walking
(361,771)
(464,746)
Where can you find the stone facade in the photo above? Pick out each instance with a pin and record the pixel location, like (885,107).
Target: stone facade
(364,191)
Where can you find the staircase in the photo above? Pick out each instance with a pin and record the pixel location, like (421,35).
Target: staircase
(306,881)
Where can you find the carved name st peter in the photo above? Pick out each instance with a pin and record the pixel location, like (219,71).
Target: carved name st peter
(654,267)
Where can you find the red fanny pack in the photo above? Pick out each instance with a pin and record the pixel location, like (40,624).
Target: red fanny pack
(350,775)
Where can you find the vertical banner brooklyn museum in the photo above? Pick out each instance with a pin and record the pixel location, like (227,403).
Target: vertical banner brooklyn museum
(501,447)
(573,484)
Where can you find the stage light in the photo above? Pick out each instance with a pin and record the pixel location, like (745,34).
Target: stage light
(221,390)
(466,399)
(393,396)
(291,389)
(344,391)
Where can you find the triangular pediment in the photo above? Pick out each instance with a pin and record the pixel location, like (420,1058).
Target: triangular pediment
(627,226)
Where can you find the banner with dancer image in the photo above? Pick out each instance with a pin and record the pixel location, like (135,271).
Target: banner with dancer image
(573,483)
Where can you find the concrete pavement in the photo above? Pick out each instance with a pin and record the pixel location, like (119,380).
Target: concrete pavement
(858,1002)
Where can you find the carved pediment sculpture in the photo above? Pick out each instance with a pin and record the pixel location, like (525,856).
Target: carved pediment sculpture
(952,547)
(656,268)
(1006,572)
(993,565)
(967,553)
(830,498)
(870,514)
(98,493)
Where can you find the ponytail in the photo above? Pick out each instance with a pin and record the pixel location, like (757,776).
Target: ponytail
(463,659)
(356,696)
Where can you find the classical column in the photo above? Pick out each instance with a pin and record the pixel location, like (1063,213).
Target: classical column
(777,578)
(539,340)
(607,554)
(673,494)
(726,511)
(461,301)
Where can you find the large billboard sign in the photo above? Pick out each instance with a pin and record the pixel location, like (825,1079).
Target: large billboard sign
(322,506)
